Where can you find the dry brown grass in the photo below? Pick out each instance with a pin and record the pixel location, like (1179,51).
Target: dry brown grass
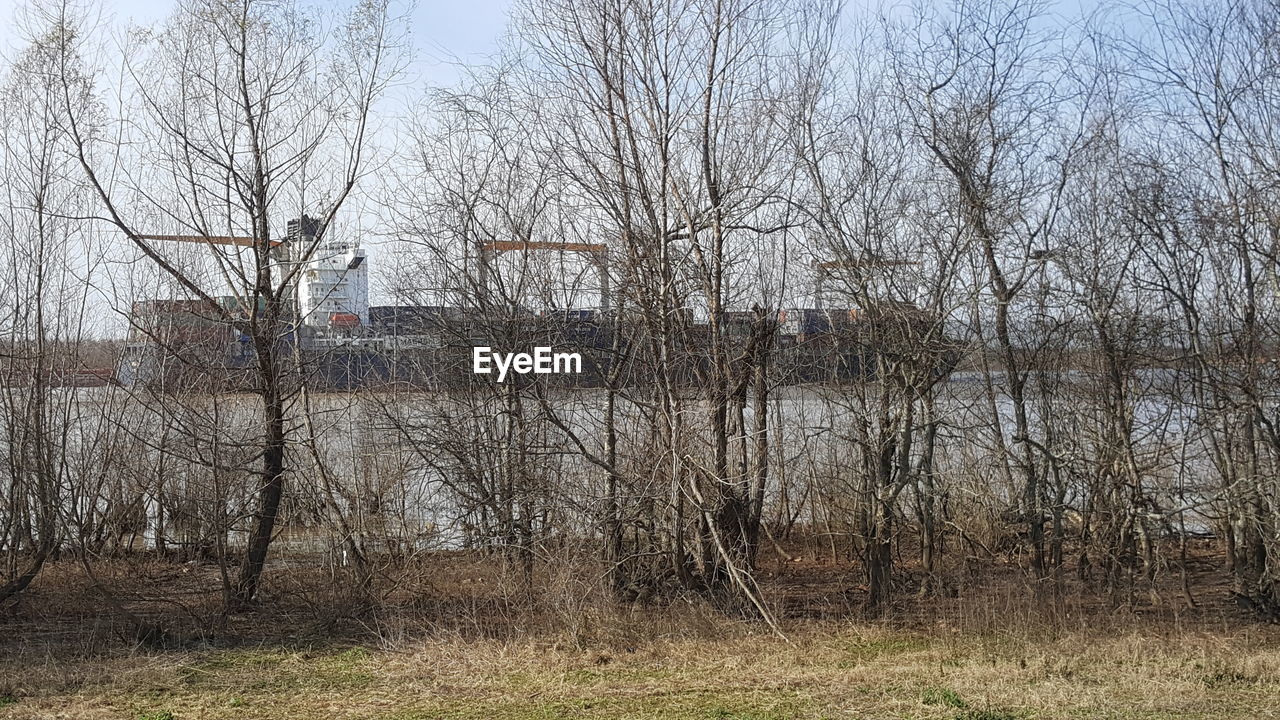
(660,667)
(470,641)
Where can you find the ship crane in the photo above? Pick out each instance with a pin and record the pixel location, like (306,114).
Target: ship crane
(597,253)
(330,290)
(822,271)
(229,240)
(210,239)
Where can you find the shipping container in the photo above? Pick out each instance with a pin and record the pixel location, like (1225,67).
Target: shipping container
(804,321)
(344,320)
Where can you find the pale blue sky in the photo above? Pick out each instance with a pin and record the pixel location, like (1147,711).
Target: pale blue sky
(443,31)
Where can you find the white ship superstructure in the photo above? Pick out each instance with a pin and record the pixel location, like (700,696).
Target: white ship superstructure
(333,284)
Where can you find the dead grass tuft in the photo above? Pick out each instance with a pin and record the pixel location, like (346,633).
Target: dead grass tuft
(827,670)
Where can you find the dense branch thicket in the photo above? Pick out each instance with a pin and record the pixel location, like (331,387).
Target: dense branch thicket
(1045,256)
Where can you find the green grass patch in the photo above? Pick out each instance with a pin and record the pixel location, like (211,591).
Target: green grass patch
(986,715)
(945,697)
(1222,676)
(279,671)
(867,649)
(690,705)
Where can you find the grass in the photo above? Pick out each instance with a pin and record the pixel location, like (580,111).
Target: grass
(943,696)
(825,671)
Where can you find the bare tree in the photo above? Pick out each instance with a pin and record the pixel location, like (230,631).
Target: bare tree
(984,89)
(248,114)
(47,259)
